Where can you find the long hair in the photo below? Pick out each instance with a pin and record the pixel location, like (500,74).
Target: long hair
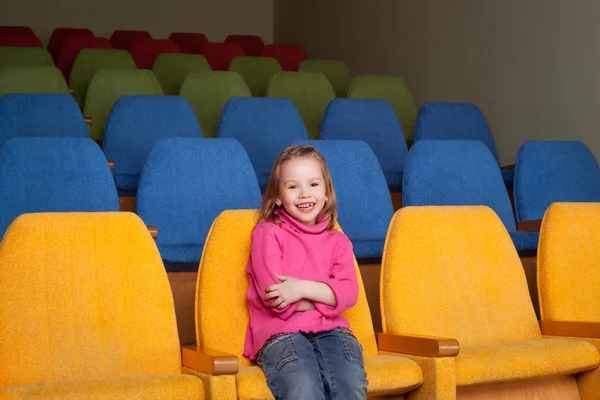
(269,205)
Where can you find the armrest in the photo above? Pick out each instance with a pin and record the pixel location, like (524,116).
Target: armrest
(509,167)
(153,231)
(571,329)
(71,91)
(424,346)
(111,164)
(88,121)
(209,361)
(533,225)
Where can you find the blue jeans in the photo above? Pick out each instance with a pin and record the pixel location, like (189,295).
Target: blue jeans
(315,366)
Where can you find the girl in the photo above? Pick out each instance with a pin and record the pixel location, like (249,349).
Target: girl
(302,278)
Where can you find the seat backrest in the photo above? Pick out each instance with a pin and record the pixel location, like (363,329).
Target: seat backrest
(135,123)
(16,30)
(553,171)
(219,55)
(108,85)
(289,56)
(311,92)
(145,51)
(60,35)
(265,127)
(92,292)
(53,175)
(252,45)
(454,272)
(222,315)
(185,184)
(123,39)
(455,173)
(171,69)
(32,79)
(40,115)
(376,123)
(336,71)
(25,56)
(208,92)
(256,71)
(392,89)
(88,62)
(451,121)
(20,40)
(72,47)
(568,258)
(189,43)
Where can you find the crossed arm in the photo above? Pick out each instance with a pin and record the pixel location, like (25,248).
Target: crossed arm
(291,290)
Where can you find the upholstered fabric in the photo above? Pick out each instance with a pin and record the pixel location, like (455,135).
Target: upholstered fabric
(220,387)
(88,61)
(185,184)
(554,171)
(219,55)
(376,123)
(144,387)
(20,40)
(336,71)
(289,56)
(392,89)
(311,92)
(135,124)
(60,35)
(31,79)
(53,174)
(264,127)
(251,44)
(256,71)
(25,56)
(145,51)
(73,46)
(123,39)
(40,115)
(222,316)
(188,42)
(108,85)
(171,69)
(208,92)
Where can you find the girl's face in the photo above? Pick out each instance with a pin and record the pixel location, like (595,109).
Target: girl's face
(302,190)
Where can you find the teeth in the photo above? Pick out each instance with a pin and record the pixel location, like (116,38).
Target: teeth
(305,205)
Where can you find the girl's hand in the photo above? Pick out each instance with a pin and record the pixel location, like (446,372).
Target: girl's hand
(289,291)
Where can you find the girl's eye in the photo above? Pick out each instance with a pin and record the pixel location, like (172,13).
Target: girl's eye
(314,184)
(292,187)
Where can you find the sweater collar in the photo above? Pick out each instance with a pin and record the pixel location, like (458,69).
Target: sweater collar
(319,227)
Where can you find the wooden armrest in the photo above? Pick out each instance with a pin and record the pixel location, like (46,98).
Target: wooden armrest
(88,121)
(425,346)
(209,361)
(71,91)
(111,164)
(571,329)
(533,225)
(153,231)
(509,167)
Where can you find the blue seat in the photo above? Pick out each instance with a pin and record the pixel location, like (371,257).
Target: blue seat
(553,171)
(451,121)
(135,123)
(53,175)
(184,185)
(41,115)
(460,172)
(364,203)
(376,123)
(265,127)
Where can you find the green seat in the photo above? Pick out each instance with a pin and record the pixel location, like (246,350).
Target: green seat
(88,61)
(392,89)
(171,69)
(336,71)
(208,92)
(32,79)
(25,56)
(107,86)
(256,71)
(311,92)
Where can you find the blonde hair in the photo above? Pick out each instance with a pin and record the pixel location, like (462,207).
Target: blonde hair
(267,209)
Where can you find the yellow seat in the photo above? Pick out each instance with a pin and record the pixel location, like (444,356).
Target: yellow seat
(454,272)
(87,311)
(568,273)
(222,317)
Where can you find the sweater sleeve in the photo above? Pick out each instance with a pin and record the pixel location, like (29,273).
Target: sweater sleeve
(266,263)
(342,281)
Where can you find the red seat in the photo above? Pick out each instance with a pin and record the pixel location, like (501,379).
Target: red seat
(123,39)
(73,46)
(189,42)
(144,52)
(289,56)
(251,44)
(219,55)
(16,31)
(60,35)
(19,40)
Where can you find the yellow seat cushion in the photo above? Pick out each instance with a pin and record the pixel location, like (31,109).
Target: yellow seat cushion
(521,360)
(141,387)
(387,375)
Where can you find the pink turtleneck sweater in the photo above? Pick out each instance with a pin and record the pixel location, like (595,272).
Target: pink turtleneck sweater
(303,252)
